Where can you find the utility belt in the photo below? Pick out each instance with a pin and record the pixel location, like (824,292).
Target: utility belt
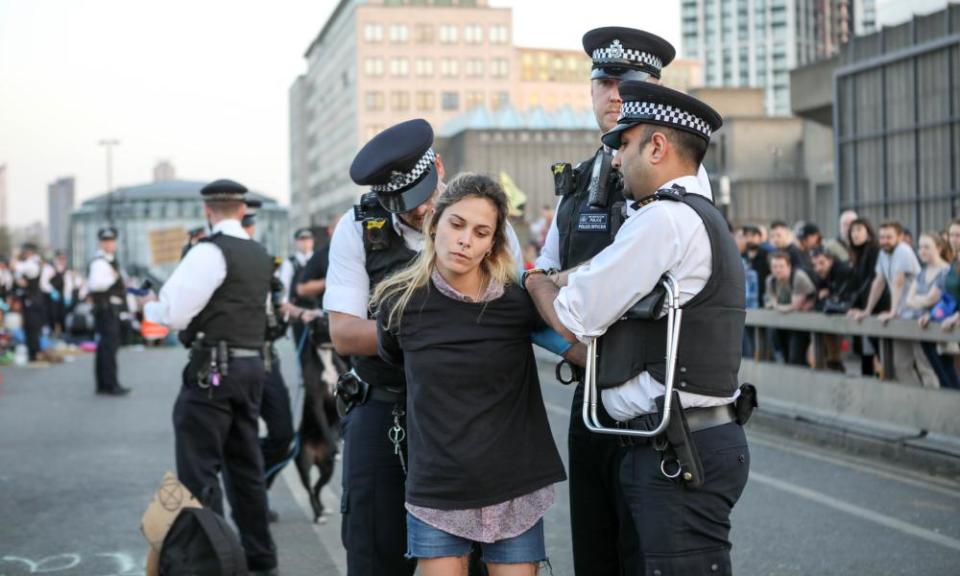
(679,455)
(353,391)
(211,363)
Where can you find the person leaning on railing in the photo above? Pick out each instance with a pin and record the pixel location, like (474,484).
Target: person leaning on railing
(790,289)
(897,266)
(924,295)
(952,281)
(864,250)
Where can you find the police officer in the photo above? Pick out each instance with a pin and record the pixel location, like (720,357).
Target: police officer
(193,236)
(58,285)
(217,298)
(275,402)
(680,502)
(291,274)
(27,273)
(106,285)
(378,237)
(590,211)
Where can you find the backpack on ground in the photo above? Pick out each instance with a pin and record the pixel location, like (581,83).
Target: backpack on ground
(200,542)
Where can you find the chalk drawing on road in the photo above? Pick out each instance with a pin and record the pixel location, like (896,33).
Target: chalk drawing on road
(70,564)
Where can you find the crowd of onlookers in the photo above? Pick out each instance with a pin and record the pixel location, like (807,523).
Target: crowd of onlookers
(45,293)
(868,270)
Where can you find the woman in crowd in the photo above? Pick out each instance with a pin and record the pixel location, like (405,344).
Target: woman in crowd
(952,287)
(864,251)
(924,294)
(482,461)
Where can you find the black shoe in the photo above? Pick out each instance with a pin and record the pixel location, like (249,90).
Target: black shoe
(272,516)
(270,572)
(118,391)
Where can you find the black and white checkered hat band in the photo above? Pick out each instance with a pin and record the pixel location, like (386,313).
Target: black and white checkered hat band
(617,54)
(401,180)
(665,114)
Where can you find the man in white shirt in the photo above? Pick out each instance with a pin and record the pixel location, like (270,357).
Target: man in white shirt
(682,519)
(28,278)
(107,288)
(217,299)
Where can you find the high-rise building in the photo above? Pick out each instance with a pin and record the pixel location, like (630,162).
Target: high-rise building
(60,196)
(378,62)
(755,43)
(3,195)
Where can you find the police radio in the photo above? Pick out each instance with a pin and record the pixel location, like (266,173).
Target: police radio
(374,220)
(603,179)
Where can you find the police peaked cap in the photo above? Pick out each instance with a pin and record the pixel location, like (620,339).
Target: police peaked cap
(223,191)
(649,103)
(627,53)
(399,164)
(302,234)
(108,233)
(250,217)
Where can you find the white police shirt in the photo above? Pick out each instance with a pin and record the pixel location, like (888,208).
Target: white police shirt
(348,285)
(194,281)
(660,237)
(102,275)
(286,271)
(550,252)
(28,269)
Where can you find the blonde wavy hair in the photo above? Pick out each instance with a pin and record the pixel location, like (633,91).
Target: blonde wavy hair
(397,290)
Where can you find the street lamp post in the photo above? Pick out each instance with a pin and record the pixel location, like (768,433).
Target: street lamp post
(109,143)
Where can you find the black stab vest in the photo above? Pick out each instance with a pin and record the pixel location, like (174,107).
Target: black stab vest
(236,313)
(384,257)
(117,290)
(585,230)
(58,280)
(711,332)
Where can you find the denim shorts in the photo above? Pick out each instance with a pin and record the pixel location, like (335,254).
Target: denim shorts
(425,541)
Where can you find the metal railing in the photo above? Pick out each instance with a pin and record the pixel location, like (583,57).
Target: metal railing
(818,324)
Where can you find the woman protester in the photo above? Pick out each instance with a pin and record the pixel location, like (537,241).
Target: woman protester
(925,294)
(864,251)
(482,461)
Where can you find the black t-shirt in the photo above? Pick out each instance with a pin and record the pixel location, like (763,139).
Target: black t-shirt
(477,428)
(314,269)
(316,266)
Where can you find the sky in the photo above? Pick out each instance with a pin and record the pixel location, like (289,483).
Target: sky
(201,83)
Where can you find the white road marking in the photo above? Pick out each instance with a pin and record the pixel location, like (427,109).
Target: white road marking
(858,511)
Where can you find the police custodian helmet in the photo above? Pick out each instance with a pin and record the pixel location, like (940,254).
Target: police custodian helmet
(399,164)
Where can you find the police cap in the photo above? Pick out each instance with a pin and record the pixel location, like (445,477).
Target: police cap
(399,164)
(250,216)
(303,234)
(223,190)
(626,53)
(108,233)
(649,103)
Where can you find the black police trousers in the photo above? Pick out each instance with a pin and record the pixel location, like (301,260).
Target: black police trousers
(34,318)
(681,530)
(276,414)
(107,325)
(216,431)
(604,538)
(374,525)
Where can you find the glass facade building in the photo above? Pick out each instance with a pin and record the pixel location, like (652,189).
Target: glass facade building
(755,43)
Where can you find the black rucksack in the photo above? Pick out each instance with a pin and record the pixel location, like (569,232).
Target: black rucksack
(200,542)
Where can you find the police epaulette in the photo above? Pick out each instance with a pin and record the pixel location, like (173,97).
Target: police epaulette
(674,193)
